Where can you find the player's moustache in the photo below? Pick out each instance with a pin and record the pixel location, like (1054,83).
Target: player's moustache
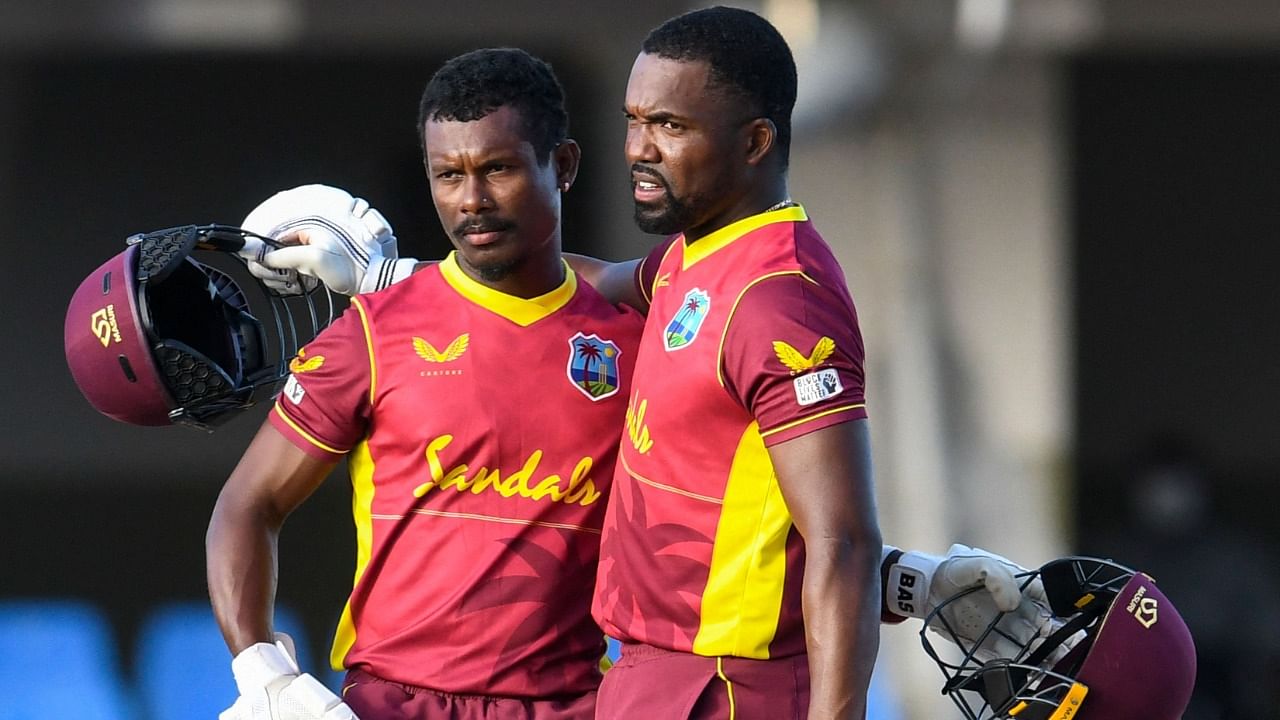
(485,225)
(650,175)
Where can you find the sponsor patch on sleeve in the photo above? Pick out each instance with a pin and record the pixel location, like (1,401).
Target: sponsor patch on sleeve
(818,386)
(294,390)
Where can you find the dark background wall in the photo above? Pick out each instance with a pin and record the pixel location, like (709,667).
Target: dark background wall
(1177,218)
(1176,192)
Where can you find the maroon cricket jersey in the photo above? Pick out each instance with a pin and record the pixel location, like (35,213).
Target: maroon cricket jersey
(751,340)
(481,431)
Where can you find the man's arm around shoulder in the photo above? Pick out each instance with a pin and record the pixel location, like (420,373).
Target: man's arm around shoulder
(616,281)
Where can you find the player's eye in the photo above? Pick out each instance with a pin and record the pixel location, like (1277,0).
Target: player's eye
(671,125)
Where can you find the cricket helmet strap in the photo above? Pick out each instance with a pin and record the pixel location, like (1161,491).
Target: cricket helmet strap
(1130,655)
(155,337)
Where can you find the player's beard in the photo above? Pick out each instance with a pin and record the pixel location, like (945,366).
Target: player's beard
(498,270)
(493,269)
(668,216)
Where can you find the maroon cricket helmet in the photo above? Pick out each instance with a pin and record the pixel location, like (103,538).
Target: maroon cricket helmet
(1131,655)
(154,337)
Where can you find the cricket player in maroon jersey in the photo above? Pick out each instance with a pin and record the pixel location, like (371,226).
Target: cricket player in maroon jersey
(740,562)
(760,352)
(478,509)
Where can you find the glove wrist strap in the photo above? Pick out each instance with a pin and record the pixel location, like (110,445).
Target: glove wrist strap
(258,665)
(384,272)
(907,591)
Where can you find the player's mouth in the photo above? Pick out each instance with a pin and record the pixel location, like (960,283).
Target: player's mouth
(480,239)
(480,235)
(647,186)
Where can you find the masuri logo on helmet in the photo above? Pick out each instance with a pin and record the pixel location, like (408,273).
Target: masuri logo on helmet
(103,324)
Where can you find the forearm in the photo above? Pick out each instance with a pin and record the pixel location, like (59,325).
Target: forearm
(240,551)
(615,281)
(591,269)
(272,478)
(241,567)
(841,598)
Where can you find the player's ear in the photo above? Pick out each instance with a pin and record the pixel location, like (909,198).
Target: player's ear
(566,156)
(761,135)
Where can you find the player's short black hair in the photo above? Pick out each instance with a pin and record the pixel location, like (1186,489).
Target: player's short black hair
(474,84)
(747,55)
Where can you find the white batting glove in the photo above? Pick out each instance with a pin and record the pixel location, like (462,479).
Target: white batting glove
(273,688)
(331,237)
(919,583)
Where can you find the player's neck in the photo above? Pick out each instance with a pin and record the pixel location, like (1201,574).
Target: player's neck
(766,197)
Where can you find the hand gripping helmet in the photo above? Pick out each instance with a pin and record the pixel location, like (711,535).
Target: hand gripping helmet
(1131,655)
(154,337)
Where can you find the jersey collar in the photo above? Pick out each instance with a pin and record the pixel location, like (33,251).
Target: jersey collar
(727,234)
(521,311)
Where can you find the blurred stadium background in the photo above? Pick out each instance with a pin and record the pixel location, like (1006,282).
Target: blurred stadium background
(1060,220)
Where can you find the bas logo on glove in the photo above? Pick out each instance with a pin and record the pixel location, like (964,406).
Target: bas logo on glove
(154,337)
(907,587)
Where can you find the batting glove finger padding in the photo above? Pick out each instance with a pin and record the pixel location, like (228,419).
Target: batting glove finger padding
(330,236)
(282,282)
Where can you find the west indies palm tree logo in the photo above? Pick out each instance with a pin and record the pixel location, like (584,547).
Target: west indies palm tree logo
(593,366)
(683,328)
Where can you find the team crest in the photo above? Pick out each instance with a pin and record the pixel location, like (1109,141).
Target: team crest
(593,366)
(683,328)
